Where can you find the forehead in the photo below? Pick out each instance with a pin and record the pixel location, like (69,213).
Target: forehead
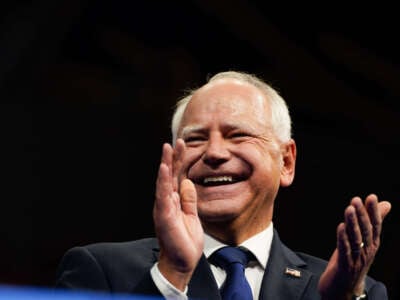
(228,97)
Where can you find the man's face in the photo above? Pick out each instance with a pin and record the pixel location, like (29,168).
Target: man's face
(231,155)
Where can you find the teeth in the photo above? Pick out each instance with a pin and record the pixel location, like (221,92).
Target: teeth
(218,179)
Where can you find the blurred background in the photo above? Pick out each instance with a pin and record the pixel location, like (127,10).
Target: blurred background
(88,87)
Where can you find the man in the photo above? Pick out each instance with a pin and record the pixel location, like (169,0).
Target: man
(232,151)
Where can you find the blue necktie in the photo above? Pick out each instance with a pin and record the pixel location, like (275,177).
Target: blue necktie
(233,260)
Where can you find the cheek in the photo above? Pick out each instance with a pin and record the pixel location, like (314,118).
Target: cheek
(190,161)
(255,154)
(266,164)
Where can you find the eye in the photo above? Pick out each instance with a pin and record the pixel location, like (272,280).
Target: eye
(239,135)
(194,139)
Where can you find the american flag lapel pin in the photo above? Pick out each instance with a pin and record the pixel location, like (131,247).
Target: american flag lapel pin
(293,272)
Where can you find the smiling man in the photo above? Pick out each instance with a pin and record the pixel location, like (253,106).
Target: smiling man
(232,150)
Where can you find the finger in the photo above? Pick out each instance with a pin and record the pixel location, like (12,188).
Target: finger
(177,162)
(377,212)
(353,230)
(167,155)
(363,220)
(163,187)
(188,197)
(384,208)
(164,177)
(343,245)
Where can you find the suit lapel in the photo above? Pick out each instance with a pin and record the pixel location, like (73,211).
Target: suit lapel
(203,286)
(284,277)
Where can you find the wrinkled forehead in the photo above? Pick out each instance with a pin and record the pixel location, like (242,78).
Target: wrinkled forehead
(228,99)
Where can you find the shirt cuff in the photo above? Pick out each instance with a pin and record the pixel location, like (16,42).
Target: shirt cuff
(165,287)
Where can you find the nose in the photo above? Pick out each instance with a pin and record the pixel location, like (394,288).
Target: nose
(217,151)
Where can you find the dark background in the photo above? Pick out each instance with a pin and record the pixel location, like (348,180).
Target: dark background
(88,87)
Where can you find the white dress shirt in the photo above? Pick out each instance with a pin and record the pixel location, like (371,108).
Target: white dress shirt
(259,245)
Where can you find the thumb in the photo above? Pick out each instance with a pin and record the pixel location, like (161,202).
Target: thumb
(384,208)
(188,197)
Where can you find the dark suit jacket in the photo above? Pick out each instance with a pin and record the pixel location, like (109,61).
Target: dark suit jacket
(125,268)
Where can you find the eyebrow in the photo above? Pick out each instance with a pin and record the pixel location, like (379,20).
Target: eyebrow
(187,130)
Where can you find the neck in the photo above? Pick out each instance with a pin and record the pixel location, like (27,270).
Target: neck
(228,233)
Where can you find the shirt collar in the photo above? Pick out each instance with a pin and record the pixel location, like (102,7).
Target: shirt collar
(259,245)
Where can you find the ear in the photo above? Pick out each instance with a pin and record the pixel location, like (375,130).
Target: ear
(289,153)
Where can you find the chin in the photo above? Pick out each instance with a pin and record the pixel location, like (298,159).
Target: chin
(217,211)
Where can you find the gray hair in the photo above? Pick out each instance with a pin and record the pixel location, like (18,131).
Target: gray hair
(280,118)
